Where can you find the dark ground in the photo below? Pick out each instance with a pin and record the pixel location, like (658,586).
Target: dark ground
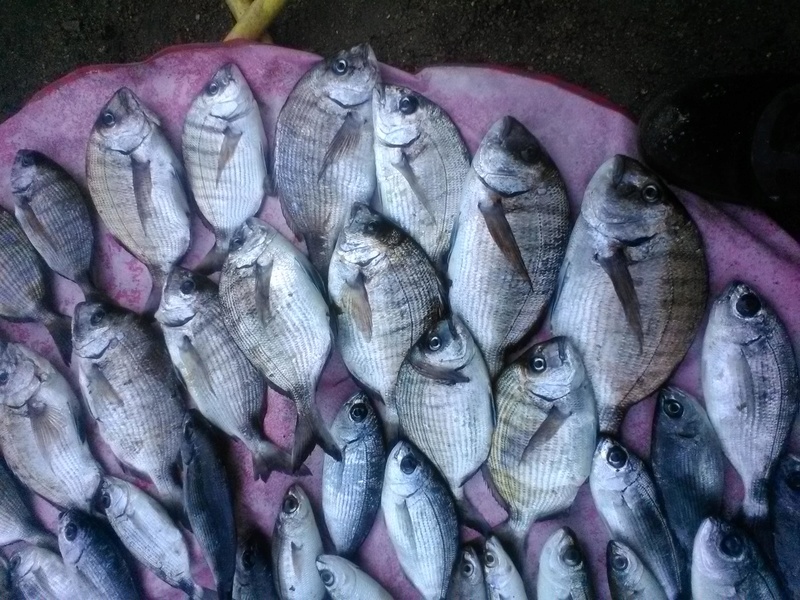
(625,50)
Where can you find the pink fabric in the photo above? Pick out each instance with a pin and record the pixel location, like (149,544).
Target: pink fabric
(579,130)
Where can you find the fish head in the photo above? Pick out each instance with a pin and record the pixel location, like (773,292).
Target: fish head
(114,497)
(226,95)
(355,420)
(469,568)
(338,575)
(124,122)
(20,375)
(407,470)
(184,295)
(250,556)
(72,535)
(29,171)
(787,481)
(22,562)
(367,234)
(348,77)
(622,562)
(678,413)
(250,242)
(445,349)
(401,115)
(96,326)
(742,314)
(553,369)
(295,513)
(562,553)
(498,567)
(721,551)
(613,466)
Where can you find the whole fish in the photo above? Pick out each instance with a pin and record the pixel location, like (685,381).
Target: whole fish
(545,436)
(90,547)
(25,294)
(225,386)
(687,464)
(386,295)
(351,487)
(41,434)
(628,577)
(726,563)
(633,286)
(786,522)
(54,214)
(148,532)
(509,240)
(420,164)
(274,307)
(751,388)
(296,544)
(128,384)
(225,152)
(137,185)
(626,498)
(253,579)
(40,574)
(503,581)
(345,581)
(420,520)
(467,582)
(324,160)
(17,522)
(563,572)
(208,499)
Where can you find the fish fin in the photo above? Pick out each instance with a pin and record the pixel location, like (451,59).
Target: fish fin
(495,217)
(267,457)
(563,276)
(546,430)
(312,273)
(311,427)
(747,388)
(157,277)
(263,276)
(196,369)
(441,374)
(100,388)
(35,224)
(230,139)
(356,299)
(403,166)
(471,516)
(514,541)
(297,559)
(345,140)
(616,266)
(45,425)
(215,258)
(406,525)
(143,192)
(60,328)
(132,471)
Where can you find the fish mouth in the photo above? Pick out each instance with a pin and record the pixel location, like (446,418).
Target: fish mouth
(618,169)
(21,190)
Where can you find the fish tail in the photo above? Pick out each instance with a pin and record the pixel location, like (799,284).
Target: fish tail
(311,427)
(610,418)
(513,536)
(43,540)
(158,276)
(390,419)
(60,328)
(755,506)
(215,258)
(267,457)
(470,515)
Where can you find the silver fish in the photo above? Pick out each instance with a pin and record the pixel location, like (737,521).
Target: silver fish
(137,185)
(351,487)
(225,151)
(225,386)
(563,572)
(296,544)
(54,214)
(17,522)
(420,163)
(324,160)
(632,287)
(545,436)
(41,433)
(751,388)
(503,581)
(420,520)
(467,582)
(40,574)
(786,522)
(726,563)
(253,579)
(628,577)
(345,581)
(628,503)
(509,240)
(687,464)
(129,387)
(273,305)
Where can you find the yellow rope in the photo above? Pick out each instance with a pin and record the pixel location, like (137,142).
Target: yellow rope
(255,18)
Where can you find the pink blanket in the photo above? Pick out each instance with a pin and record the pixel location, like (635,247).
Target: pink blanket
(579,130)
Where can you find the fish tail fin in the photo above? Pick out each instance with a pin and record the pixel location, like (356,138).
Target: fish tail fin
(215,258)
(267,457)
(311,427)
(755,506)
(43,540)
(390,419)
(195,592)
(470,515)
(224,590)
(90,291)
(514,537)
(60,328)
(159,277)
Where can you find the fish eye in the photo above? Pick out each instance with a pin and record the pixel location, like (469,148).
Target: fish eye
(3,377)
(651,193)
(71,532)
(290,504)
(529,154)
(97,317)
(358,412)
(247,559)
(237,241)
(467,569)
(748,305)
(409,464)
(434,343)
(538,364)
(619,562)
(732,545)
(327,577)
(105,500)
(408,104)
(793,481)
(212,88)
(571,556)
(617,457)
(26,159)
(108,119)
(339,67)
(490,560)
(187,286)
(673,408)
(15,560)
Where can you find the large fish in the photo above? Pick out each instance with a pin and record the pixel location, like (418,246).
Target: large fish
(225,152)
(628,577)
(563,572)
(503,580)
(751,388)
(345,581)
(17,522)
(137,185)
(41,432)
(467,582)
(254,578)
(509,239)
(273,305)
(786,522)
(420,163)
(324,160)
(632,287)
(40,574)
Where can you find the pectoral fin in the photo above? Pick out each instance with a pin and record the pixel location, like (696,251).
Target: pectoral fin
(404,168)
(143,191)
(616,266)
(196,374)
(500,230)
(548,428)
(297,559)
(355,301)
(346,140)
(406,525)
(230,139)
(263,277)
(36,224)
(745,395)
(46,427)
(435,372)
(101,392)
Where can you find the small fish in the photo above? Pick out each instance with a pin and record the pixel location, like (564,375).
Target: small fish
(351,487)
(324,161)
(563,572)
(253,579)
(628,577)
(40,574)
(503,581)
(467,582)
(420,519)
(751,388)
(17,522)
(786,522)
(225,151)
(345,581)
(296,544)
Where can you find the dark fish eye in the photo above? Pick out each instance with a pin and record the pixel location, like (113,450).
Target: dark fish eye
(97,317)
(371,227)
(26,159)
(15,560)
(538,364)
(247,559)
(409,464)
(71,532)
(108,119)
(327,577)
(619,562)
(489,560)
(732,545)
(748,305)
(188,430)
(529,154)
(105,500)
(339,67)
(187,286)
(212,88)
(617,457)
(467,568)
(673,409)
(358,412)
(434,343)
(3,377)
(290,504)
(571,556)
(793,481)
(408,105)
(237,241)
(651,193)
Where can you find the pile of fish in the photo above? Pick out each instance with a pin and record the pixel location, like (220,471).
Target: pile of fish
(491,338)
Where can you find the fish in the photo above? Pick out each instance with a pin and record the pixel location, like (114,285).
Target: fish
(54,213)
(208,499)
(544,441)
(687,464)
(17,522)
(26,293)
(385,294)
(41,430)
(627,501)
(225,151)
(224,385)
(296,544)
(509,240)
(89,547)
(628,577)
(446,407)
(785,510)
(633,286)
(345,581)
(467,582)
(138,186)
(129,387)
(420,520)
(274,307)
(563,572)
(420,164)
(253,579)
(148,532)
(324,161)
(726,563)
(751,388)
(351,487)
(5,579)
(503,581)
(40,574)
